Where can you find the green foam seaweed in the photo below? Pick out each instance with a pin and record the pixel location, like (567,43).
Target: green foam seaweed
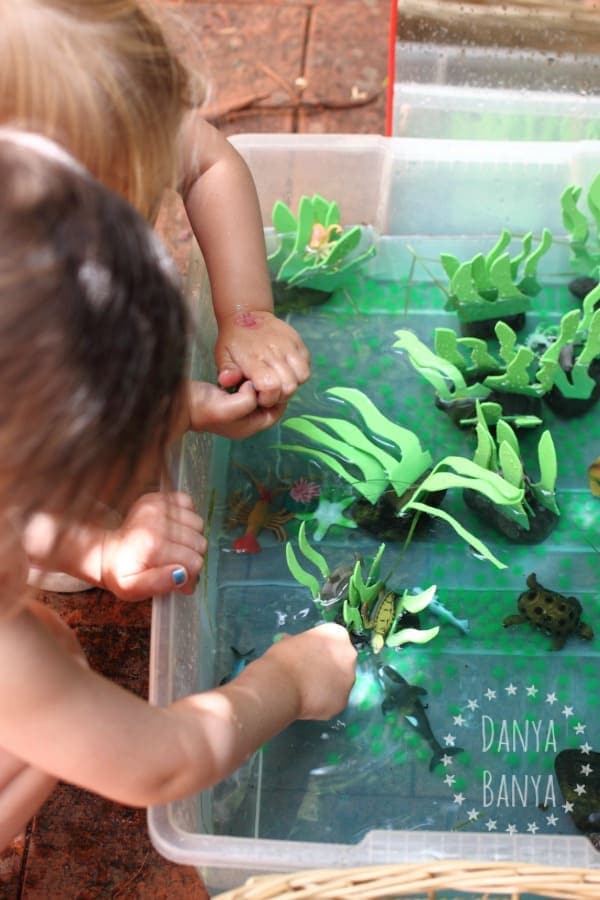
(380,470)
(360,599)
(313,249)
(490,286)
(584,235)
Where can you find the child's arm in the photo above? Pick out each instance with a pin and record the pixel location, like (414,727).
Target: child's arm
(159,547)
(223,209)
(82,728)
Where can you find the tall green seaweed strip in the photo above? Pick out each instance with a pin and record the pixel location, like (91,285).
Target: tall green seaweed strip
(443,374)
(466,475)
(301,575)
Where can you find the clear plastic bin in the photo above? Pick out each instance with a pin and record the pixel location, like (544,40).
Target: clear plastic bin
(438,194)
(481,93)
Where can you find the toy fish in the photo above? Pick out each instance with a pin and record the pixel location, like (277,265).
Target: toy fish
(553,613)
(571,767)
(335,587)
(404,698)
(446,615)
(240,661)
(594,475)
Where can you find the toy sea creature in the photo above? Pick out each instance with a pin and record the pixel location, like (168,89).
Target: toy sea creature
(446,615)
(256,517)
(404,698)
(365,606)
(388,610)
(303,490)
(574,771)
(553,613)
(240,661)
(328,513)
(336,585)
(381,619)
(594,474)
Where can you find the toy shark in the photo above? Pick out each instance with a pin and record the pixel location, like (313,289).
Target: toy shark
(446,615)
(404,698)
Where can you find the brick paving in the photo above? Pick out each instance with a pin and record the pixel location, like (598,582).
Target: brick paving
(274,66)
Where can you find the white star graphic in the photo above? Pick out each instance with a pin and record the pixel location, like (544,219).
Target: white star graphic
(567,711)
(511,689)
(586,770)
(459,799)
(473,704)
(531,690)
(449,740)
(449,780)
(580,789)
(458,720)
(472,815)
(586,748)
(568,806)
(491,825)
(446,760)
(511,829)
(551,698)
(490,694)
(551,819)
(532,827)
(579,728)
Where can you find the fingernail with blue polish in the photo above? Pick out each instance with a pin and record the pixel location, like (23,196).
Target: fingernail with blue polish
(179,576)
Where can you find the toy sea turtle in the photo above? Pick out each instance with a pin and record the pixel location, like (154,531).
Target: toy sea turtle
(553,613)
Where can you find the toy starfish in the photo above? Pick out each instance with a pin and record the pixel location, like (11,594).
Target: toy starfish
(328,513)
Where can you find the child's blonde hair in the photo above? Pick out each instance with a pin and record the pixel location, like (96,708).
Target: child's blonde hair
(100,79)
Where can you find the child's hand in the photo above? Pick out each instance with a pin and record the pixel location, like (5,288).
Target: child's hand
(233,416)
(322,664)
(158,548)
(259,347)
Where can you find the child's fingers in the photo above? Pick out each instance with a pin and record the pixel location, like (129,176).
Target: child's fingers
(156,581)
(230,374)
(180,536)
(177,499)
(177,517)
(178,556)
(298,360)
(274,382)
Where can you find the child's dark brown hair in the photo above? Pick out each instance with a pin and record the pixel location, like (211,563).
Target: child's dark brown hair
(93,335)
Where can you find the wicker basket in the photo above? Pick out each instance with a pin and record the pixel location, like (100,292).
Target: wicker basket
(419,880)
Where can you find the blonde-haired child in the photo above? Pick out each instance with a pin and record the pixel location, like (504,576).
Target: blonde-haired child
(92,357)
(100,79)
